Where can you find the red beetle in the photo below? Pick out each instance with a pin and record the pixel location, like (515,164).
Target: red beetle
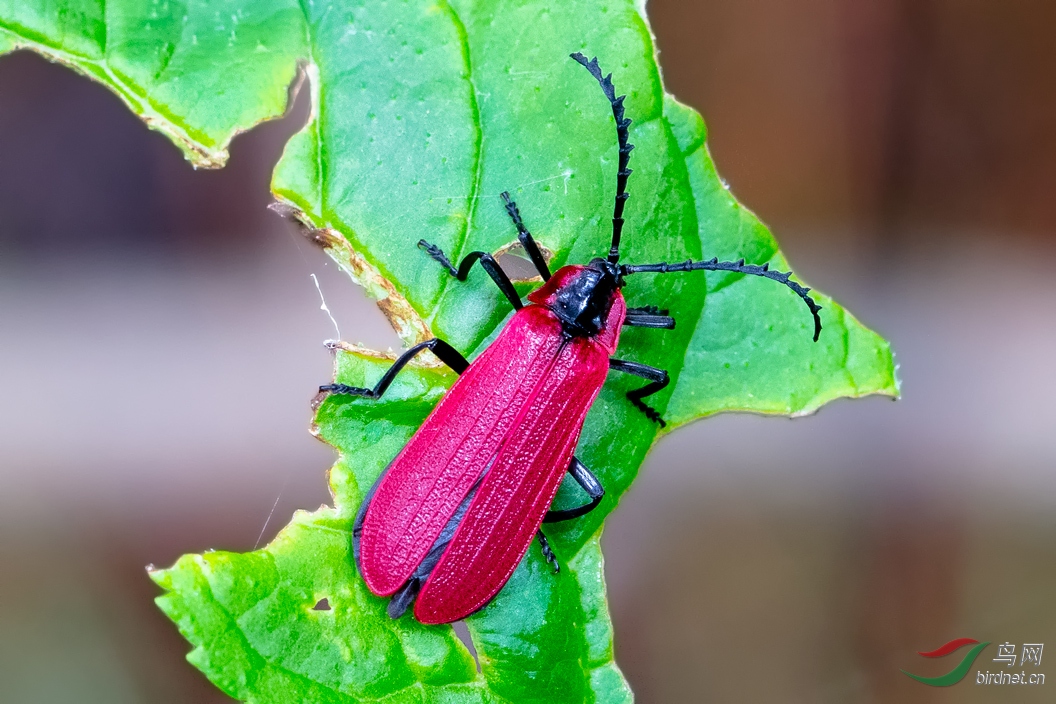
(451,517)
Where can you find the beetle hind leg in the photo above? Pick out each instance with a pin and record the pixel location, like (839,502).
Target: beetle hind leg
(590,484)
(548,552)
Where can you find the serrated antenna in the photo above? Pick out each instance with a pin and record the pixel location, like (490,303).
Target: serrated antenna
(763,270)
(622,123)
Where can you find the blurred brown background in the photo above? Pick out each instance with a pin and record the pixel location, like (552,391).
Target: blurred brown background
(160,338)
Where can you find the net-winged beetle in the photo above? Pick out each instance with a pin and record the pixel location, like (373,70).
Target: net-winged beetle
(448,521)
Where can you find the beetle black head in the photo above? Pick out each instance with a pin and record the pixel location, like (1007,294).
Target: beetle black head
(582,304)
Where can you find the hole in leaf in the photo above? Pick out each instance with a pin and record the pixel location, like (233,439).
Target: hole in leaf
(462,631)
(321,605)
(517,267)
(515,262)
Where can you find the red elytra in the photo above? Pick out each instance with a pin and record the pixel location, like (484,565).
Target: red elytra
(517,411)
(449,520)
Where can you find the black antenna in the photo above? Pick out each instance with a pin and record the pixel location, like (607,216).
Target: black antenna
(739,267)
(622,124)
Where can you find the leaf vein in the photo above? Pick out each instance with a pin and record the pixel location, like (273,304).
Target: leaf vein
(478,142)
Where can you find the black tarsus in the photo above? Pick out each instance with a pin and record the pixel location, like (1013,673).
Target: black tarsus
(526,239)
(737,267)
(590,484)
(622,123)
(648,320)
(658,377)
(647,310)
(444,352)
(486,261)
(548,553)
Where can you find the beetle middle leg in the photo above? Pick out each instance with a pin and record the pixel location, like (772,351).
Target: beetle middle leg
(444,352)
(590,483)
(658,377)
(487,262)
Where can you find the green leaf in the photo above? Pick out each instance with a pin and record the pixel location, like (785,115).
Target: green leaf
(199,72)
(422,113)
(751,348)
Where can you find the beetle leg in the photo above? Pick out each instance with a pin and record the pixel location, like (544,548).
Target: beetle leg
(658,377)
(649,317)
(444,352)
(548,553)
(586,479)
(643,318)
(526,239)
(665,322)
(486,261)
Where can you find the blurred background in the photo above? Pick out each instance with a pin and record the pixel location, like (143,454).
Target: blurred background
(160,337)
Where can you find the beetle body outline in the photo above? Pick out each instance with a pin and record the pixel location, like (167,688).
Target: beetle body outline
(448,521)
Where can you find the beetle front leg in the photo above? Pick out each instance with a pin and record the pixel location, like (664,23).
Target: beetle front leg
(649,317)
(487,262)
(444,352)
(658,377)
(531,247)
(590,483)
